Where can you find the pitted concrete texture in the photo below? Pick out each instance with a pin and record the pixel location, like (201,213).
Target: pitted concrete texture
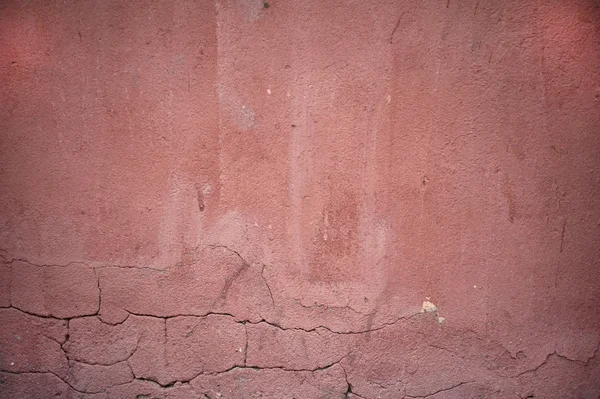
(299,199)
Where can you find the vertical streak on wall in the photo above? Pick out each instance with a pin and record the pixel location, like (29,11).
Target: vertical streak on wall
(218,88)
(302,150)
(375,226)
(191,135)
(300,170)
(337,235)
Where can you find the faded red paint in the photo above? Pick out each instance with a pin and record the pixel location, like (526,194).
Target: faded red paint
(387,199)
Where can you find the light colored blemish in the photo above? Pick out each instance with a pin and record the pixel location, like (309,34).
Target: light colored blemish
(12,363)
(268,91)
(428,307)
(389,98)
(251,9)
(235,108)
(207,189)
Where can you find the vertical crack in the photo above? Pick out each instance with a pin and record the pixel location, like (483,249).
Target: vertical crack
(99,290)
(229,281)
(348,393)
(10,268)
(562,243)
(348,385)
(562,235)
(396,27)
(262,274)
(165,358)
(67,337)
(246,347)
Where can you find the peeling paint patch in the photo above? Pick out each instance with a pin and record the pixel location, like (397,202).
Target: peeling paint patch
(428,307)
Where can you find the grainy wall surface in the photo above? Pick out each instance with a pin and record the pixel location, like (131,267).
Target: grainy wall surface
(300,199)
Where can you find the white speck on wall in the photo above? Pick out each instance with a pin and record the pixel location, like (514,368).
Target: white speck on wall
(474,286)
(268,91)
(389,98)
(12,363)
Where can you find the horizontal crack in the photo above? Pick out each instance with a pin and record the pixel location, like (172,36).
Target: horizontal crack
(52,317)
(23,260)
(203,315)
(132,267)
(44,372)
(328,307)
(96,265)
(172,383)
(273,324)
(545,361)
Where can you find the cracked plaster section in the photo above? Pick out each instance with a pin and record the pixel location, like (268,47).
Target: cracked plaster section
(217,324)
(69,349)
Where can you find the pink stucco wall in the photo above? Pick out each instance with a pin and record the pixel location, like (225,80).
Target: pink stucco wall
(299,199)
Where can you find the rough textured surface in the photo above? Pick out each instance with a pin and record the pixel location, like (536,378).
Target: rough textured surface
(50,290)
(299,199)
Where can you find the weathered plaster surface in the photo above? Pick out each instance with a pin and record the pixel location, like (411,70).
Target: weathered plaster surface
(314,199)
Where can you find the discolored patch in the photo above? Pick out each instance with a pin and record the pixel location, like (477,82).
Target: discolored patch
(336,243)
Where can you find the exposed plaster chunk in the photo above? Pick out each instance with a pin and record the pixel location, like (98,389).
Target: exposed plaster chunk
(428,307)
